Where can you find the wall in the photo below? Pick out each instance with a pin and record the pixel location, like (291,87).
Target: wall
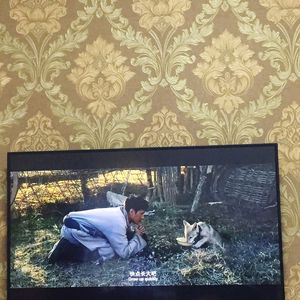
(103,74)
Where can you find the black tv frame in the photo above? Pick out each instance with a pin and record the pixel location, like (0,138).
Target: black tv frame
(147,157)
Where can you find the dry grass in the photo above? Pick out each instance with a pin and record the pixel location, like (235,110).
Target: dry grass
(251,255)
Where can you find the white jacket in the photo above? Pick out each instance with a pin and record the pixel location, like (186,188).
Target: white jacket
(112,224)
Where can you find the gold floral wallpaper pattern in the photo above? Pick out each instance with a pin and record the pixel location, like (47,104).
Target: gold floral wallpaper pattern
(85,74)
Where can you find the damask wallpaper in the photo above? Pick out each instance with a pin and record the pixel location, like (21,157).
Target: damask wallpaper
(81,74)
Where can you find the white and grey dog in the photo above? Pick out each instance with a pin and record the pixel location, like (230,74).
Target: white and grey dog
(200,233)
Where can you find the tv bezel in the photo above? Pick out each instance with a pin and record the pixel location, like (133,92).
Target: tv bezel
(147,157)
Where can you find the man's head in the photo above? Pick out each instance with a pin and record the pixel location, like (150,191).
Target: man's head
(136,207)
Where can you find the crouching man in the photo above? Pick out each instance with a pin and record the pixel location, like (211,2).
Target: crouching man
(102,233)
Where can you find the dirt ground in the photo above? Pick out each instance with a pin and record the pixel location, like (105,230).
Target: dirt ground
(251,253)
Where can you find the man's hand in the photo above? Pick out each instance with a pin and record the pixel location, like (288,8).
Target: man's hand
(140,229)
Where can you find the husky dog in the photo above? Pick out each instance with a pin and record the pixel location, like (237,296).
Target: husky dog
(200,233)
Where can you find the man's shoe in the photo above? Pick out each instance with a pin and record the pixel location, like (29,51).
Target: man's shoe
(58,250)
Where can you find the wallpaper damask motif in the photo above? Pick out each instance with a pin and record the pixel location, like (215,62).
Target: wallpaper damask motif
(106,73)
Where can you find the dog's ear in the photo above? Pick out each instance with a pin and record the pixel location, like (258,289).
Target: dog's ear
(185,223)
(194,225)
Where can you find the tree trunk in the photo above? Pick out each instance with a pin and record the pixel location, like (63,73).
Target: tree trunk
(159,185)
(186,180)
(169,179)
(199,189)
(180,181)
(85,191)
(217,174)
(126,183)
(192,177)
(155,192)
(14,187)
(150,191)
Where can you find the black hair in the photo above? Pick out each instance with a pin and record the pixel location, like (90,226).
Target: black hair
(136,202)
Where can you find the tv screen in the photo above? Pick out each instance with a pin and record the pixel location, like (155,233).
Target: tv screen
(151,223)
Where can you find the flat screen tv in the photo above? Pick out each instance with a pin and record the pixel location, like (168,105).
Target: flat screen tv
(212,225)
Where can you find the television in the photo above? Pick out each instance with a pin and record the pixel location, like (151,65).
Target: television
(231,190)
